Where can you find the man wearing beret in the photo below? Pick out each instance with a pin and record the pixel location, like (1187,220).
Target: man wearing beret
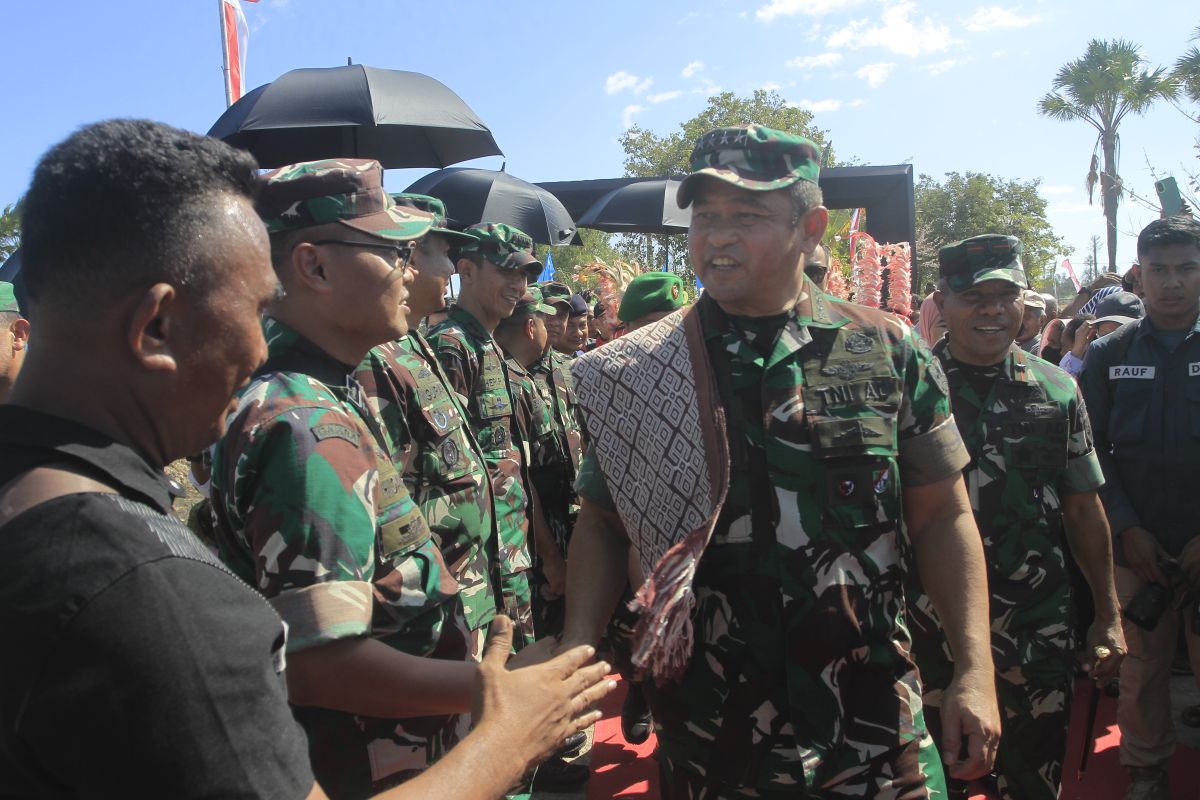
(787,455)
(1033,478)
(310,508)
(494,270)
(14,338)
(650,297)
(436,452)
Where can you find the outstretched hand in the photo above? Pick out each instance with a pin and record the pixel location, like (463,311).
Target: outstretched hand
(535,708)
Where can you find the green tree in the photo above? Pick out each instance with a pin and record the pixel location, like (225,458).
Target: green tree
(10,230)
(1187,70)
(648,154)
(972,203)
(1101,88)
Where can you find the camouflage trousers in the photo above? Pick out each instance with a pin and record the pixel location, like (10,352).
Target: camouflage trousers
(909,772)
(517,605)
(1035,708)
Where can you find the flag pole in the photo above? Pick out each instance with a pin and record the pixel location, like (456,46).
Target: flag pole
(225,53)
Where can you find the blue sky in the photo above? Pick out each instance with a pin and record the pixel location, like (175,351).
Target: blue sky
(950,86)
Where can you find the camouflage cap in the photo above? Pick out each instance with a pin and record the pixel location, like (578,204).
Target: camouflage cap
(556,293)
(345,190)
(654,291)
(753,157)
(437,209)
(503,245)
(533,302)
(1032,299)
(8,299)
(990,257)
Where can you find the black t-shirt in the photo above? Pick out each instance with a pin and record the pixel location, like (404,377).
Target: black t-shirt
(132,664)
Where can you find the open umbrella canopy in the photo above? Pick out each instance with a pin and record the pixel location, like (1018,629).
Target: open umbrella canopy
(644,207)
(485,195)
(11,266)
(401,119)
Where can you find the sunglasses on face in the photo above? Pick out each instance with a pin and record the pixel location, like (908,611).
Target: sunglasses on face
(400,252)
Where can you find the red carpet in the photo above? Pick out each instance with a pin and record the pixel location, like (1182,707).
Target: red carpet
(621,770)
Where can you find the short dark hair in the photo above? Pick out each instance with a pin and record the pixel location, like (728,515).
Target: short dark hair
(804,195)
(1167,231)
(1073,326)
(125,203)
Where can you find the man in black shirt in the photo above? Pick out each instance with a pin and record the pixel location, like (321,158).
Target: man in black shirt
(134,664)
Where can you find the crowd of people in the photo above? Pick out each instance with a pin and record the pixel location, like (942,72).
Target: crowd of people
(830,553)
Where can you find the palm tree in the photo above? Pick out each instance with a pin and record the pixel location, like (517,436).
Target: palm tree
(1101,88)
(1187,70)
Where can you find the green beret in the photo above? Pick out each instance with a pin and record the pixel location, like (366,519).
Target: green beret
(345,190)
(503,245)
(752,157)
(435,208)
(653,291)
(8,299)
(990,257)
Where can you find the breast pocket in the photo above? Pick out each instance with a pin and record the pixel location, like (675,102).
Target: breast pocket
(1130,405)
(445,456)
(861,480)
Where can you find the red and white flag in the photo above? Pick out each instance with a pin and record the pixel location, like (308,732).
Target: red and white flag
(234,33)
(1071,272)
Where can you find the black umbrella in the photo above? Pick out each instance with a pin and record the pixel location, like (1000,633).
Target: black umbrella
(485,195)
(644,207)
(401,119)
(11,266)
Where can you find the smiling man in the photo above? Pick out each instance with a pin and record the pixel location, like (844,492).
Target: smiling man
(495,270)
(1142,384)
(771,455)
(1033,477)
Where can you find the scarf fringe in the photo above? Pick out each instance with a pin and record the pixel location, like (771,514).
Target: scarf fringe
(663,637)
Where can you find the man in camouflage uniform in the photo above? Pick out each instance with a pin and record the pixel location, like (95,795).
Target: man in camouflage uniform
(494,270)
(797,680)
(442,465)
(1033,473)
(311,510)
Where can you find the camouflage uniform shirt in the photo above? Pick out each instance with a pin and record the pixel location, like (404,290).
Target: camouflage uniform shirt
(312,513)
(1027,432)
(442,465)
(475,366)
(555,476)
(801,676)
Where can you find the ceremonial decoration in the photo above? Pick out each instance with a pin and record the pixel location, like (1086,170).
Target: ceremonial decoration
(869,259)
(611,281)
(835,284)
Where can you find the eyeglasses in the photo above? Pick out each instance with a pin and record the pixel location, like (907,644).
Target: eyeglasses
(401,252)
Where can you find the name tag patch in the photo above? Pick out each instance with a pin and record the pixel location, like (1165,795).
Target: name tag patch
(1144,373)
(1194,369)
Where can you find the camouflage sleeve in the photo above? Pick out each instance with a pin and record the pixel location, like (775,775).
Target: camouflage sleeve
(1083,473)
(304,493)
(459,364)
(931,449)
(592,484)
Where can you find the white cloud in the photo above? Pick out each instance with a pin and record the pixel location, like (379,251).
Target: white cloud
(812,62)
(820,106)
(999,53)
(622,80)
(790,8)
(708,89)
(984,19)
(1070,208)
(857,103)
(1055,189)
(938,67)
(691,69)
(771,86)
(663,97)
(896,33)
(628,113)
(875,74)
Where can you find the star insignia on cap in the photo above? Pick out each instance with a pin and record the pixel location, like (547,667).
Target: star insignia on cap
(740,139)
(724,137)
(292,211)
